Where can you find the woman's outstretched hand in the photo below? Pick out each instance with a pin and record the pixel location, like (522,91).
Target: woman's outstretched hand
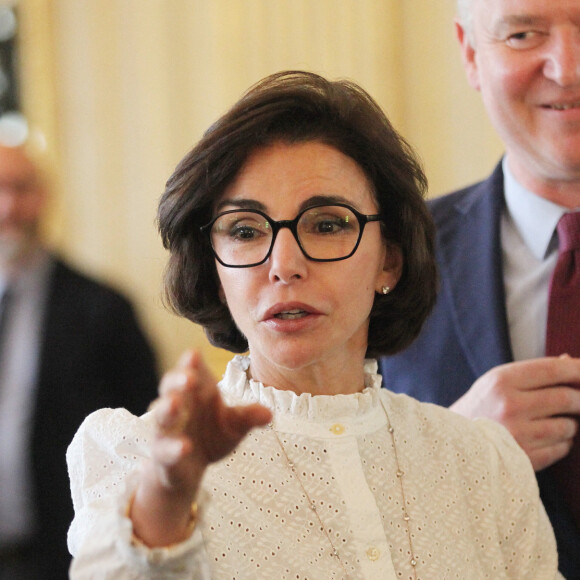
(195,428)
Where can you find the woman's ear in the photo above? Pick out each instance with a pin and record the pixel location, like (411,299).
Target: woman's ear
(392,269)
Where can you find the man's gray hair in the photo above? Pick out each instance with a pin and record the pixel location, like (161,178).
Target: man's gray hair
(465,16)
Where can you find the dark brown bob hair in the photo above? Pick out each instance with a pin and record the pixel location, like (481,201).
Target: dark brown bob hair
(296,107)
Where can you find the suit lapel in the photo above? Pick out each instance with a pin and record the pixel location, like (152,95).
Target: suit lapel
(471,263)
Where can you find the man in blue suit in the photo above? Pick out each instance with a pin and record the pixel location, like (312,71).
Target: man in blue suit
(482,350)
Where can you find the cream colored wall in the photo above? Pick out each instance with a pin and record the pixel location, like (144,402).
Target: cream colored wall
(122,88)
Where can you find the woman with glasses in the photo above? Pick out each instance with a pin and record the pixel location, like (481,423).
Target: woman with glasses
(298,236)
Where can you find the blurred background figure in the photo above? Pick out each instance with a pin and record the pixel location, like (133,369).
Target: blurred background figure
(68,345)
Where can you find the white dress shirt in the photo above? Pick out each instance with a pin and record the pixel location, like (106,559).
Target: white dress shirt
(530,251)
(17,381)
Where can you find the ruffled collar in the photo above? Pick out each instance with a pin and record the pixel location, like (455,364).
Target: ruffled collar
(288,406)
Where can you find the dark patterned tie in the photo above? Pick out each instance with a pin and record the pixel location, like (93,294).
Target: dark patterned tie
(5,303)
(563,336)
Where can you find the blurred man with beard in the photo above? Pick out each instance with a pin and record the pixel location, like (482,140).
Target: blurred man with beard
(68,345)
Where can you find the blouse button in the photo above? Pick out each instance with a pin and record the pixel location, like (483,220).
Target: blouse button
(373,554)
(337,429)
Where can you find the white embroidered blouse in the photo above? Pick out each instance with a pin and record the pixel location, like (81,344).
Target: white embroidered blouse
(471,495)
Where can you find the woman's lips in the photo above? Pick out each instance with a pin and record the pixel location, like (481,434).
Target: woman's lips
(290,315)
(289,309)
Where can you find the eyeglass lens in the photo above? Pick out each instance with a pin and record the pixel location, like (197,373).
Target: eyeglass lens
(244,237)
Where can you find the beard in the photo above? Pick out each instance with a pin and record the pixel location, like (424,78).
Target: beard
(16,246)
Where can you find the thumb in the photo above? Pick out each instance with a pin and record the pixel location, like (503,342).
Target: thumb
(239,420)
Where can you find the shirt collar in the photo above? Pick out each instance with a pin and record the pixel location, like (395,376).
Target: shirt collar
(534,217)
(32,273)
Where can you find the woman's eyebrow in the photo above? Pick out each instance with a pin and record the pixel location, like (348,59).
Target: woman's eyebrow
(245,203)
(324,200)
(241,203)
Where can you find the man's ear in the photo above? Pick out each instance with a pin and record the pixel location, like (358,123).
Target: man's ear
(468,55)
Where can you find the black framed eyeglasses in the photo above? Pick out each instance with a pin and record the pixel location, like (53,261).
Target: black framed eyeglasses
(242,238)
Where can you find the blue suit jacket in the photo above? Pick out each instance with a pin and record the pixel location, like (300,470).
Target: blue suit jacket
(467,332)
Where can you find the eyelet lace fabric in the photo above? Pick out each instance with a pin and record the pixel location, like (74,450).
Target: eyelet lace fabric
(471,495)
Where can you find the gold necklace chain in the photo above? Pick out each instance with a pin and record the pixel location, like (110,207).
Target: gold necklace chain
(312,504)
(400,475)
(333,551)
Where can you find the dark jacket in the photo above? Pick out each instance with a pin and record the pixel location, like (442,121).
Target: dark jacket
(93,355)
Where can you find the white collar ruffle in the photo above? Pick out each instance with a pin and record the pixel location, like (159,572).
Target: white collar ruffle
(289,407)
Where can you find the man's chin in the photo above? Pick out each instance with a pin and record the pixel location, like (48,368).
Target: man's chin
(13,251)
